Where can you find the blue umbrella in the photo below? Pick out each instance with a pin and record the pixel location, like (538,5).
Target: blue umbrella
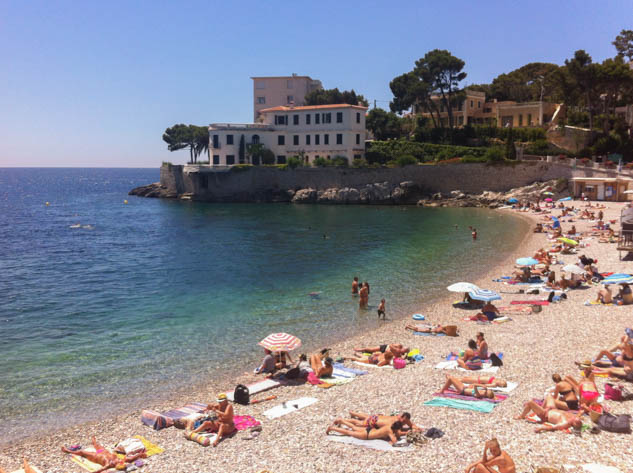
(618,279)
(564,199)
(484,295)
(527,261)
(512,201)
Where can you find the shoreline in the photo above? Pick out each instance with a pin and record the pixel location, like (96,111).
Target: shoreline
(124,425)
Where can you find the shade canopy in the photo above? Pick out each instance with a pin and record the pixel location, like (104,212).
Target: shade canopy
(574,269)
(280,342)
(462,287)
(484,295)
(630,191)
(512,201)
(527,261)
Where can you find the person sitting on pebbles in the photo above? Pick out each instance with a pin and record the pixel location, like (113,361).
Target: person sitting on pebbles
(494,460)
(488,313)
(378,359)
(391,433)
(560,420)
(396,349)
(375,421)
(322,365)
(474,390)
(223,425)
(471,359)
(104,457)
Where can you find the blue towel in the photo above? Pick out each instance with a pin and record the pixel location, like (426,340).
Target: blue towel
(477,406)
(342,367)
(428,334)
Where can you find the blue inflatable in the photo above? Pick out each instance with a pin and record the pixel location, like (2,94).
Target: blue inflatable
(418,317)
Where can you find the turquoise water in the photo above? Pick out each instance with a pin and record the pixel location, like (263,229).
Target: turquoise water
(146,297)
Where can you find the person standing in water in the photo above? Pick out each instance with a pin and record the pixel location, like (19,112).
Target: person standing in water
(355,286)
(474,233)
(381,309)
(364,296)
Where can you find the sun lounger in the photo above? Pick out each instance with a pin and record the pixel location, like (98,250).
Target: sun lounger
(381,445)
(289,406)
(477,406)
(429,334)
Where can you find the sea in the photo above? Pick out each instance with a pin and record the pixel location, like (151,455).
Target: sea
(109,302)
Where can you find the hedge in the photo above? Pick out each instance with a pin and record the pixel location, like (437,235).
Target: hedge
(385,151)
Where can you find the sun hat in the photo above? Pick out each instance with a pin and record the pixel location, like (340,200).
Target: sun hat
(221,397)
(585,364)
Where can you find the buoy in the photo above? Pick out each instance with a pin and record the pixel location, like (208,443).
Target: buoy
(125,201)
(47,204)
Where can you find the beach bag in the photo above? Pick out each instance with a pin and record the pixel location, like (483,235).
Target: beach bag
(130,447)
(495,360)
(612,393)
(293,373)
(536,309)
(241,395)
(156,420)
(415,437)
(595,411)
(451,330)
(611,423)
(399,363)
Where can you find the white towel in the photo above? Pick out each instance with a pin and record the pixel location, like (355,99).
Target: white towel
(452,365)
(289,406)
(372,366)
(373,444)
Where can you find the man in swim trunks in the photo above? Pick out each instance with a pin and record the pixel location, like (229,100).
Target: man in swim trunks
(321,365)
(560,420)
(494,460)
(363,420)
(104,457)
(396,349)
(488,313)
(390,433)
(363,293)
(224,425)
(355,286)
(378,359)
(604,295)
(381,309)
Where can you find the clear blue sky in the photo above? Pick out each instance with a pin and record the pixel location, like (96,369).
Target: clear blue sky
(89,83)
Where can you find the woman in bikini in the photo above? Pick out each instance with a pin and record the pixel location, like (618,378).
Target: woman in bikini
(390,433)
(474,390)
(104,457)
(482,345)
(282,358)
(485,381)
(564,396)
(471,359)
(378,359)
(586,388)
(321,364)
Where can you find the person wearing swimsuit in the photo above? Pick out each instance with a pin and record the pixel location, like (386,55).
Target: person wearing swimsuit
(494,460)
(564,396)
(390,433)
(561,420)
(586,388)
(485,381)
(378,359)
(104,457)
(474,390)
(470,360)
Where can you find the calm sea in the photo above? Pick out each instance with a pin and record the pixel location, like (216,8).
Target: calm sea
(106,305)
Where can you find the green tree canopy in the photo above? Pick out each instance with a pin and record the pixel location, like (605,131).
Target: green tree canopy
(624,44)
(334,96)
(384,125)
(585,74)
(181,136)
(528,83)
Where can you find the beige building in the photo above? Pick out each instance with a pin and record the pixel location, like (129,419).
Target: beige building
(319,131)
(281,90)
(475,110)
(603,188)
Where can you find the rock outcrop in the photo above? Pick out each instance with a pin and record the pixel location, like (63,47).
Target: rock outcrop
(153,190)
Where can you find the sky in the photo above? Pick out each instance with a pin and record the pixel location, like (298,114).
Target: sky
(95,84)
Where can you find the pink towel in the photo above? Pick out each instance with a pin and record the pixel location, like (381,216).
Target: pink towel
(312,379)
(245,422)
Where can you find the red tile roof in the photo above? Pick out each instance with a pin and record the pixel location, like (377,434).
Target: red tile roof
(284,108)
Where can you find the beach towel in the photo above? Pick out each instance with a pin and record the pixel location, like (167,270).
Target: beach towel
(382,445)
(531,302)
(342,367)
(150,448)
(508,389)
(192,408)
(452,365)
(429,334)
(515,309)
(371,366)
(84,463)
(455,356)
(335,381)
(289,406)
(245,422)
(258,387)
(597,303)
(598,468)
(341,373)
(477,406)
(452,394)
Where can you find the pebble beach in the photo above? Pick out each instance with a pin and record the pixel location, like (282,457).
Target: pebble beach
(534,347)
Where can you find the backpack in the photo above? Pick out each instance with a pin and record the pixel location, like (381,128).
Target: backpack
(619,424)
(241,395)
(495,360)
(613,393)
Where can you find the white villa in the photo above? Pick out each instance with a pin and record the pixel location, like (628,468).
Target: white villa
(324,131)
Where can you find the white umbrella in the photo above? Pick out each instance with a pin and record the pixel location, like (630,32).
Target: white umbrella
(462,287)
(574,269)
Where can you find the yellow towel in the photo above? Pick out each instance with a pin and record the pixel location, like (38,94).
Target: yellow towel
(150,448)
(84,463)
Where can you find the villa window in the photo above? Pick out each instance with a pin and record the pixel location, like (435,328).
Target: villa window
(529,119)
(520,120)
(339,117)
(317,139)
(357,138)
(307,119)
(290,98)
(261,100)
(281,119)
(326,139)
(230,159)
(229,139)
(295,119)
(460,120)
(281,140)
(255,139)
(357,156)
(317,118)
(327,118)
(460,106)
(216,159)
(472,105)
(260,84)
(216,141)
(289,84)
(339,138)
(357,117)
(295,140)
(307,139)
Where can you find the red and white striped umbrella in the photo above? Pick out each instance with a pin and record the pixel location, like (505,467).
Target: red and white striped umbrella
(280,342)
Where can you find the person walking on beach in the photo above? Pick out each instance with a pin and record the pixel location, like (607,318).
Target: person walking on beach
(364,296)
(381,309)
(355,286)
(494,459)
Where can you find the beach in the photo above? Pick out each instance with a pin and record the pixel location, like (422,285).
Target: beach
(534,346)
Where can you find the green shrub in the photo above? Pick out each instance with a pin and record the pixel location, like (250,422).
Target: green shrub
(294,162)
(495,154)
(167,163)
(469,158)
(340,161)
(360,163)
(268,157)
(385,151)
(406,160)
(321,162)
(241,167)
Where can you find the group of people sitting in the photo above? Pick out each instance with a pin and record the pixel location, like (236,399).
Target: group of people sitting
(473,356)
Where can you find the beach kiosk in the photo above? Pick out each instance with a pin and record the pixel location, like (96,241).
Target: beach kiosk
(603,188)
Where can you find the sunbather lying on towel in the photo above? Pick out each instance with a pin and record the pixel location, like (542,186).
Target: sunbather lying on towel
(396,349)
(390,433)
(25,466)
(223,425)
(321,364)
(494,460)
(379,359)
(104,457)
(427,328)
(375,421)
(561,420)
(488,313)
(474,390)
(484,381)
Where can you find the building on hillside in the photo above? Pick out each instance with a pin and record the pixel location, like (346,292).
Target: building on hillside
(475,110)
(281,90)
(603,188)
(318,131)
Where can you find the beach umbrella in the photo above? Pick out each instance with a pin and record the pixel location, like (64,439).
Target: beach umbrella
(618,279)
(564,199)
(548,200)
(527,262)
(569,241)
(280,342)
(512,201)
(548,193)
(462,287)
(574,269)
(484,295)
